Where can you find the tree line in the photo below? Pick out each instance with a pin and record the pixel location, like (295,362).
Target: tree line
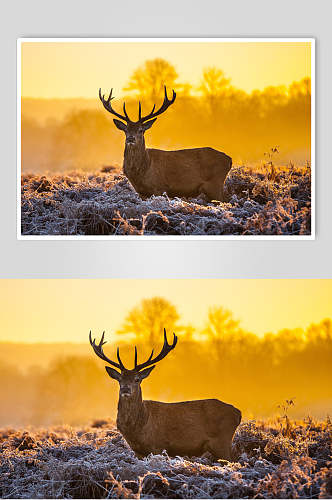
(220,360)
(215,114)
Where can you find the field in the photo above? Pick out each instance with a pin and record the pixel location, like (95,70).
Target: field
(265,200)
(273,459)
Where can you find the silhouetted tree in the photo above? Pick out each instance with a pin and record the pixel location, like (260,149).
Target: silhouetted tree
(149,79)
(214,86)
(148,320)
(220,323)
(220,326)
(242,124)
(253,372)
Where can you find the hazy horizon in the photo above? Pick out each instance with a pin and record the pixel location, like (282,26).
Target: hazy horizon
(226,348)
(241,98)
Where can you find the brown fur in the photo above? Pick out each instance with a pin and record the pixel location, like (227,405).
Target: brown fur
(188,428)
(184,173)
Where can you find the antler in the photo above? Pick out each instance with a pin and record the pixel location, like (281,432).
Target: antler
(167,102)
(98,348)
(141,119)
(164,351)
(108,106)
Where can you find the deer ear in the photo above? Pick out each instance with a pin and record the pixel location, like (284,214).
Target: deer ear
(120,125)
(149,124)
(113,373)
(145,373)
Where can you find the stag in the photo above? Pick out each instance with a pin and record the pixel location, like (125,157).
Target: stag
(183,173)
(188,428)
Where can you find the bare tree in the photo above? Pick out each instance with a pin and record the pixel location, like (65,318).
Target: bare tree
(220,322)
(214,81)
(219,327)
(214,85)
(231,345)
(147,320)
(150,78)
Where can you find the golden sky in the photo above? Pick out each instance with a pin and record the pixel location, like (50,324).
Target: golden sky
(65,310)
(69,69)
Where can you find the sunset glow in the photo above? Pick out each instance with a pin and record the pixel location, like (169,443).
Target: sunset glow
(252,341)
(65,310)
(260,89)
(69,69)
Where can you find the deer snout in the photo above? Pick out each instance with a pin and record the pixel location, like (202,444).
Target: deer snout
(130,139)
(125,390)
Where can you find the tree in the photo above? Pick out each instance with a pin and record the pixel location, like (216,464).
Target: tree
(148,320)
(149,79)
(220,323)
(300,89)
(231,349)
(224,335)
(214,84)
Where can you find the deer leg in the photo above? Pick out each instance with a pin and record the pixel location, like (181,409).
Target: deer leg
(207,454)
(220,450)
(221,445)
(213,192)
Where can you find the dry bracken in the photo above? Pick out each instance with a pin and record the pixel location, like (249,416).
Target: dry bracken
(96,462)
(104,203)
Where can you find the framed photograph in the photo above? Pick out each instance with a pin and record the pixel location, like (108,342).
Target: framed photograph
(159,138)
(165,389)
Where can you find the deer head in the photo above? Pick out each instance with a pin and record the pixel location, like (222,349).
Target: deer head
(135,130)
(130,379)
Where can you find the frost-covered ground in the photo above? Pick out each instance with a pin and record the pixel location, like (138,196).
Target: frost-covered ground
(261,201)
(272,460)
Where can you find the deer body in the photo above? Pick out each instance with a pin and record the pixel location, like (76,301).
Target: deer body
(183,173)
(187,428)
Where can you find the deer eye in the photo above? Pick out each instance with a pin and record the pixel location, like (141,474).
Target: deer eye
(136,379)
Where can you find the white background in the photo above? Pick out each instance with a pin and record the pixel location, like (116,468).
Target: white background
(166,259)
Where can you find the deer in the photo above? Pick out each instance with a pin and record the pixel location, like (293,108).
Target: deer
(187,428)
(185,173)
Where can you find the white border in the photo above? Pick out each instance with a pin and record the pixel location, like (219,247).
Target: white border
(170,237)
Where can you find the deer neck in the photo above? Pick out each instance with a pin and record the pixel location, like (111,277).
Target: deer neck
(136,163)
(132,415)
